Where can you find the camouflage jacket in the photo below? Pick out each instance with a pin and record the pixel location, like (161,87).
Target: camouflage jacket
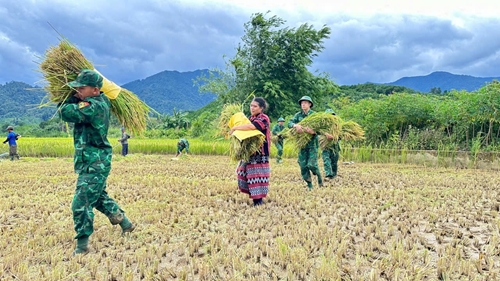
(299,116)
(277,129)
(91,117)
(183,143)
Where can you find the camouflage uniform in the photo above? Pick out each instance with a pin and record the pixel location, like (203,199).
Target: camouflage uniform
(330,157)
(181,145)
(308,156)
(279,144)
(92,161)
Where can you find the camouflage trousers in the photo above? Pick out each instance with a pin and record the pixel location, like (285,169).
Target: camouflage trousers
(308,162)
(330,162)
(279,146)
(91,193)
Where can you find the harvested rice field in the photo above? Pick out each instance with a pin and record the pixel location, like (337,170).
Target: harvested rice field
(372,222)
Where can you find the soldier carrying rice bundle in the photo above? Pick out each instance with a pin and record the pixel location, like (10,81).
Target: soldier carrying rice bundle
(305,126)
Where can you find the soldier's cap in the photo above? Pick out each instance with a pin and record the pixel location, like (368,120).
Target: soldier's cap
(281,119)
(307,98)
(9,128)
(87,77)
(329,110)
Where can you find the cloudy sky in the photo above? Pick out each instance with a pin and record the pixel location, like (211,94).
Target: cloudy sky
(376,40)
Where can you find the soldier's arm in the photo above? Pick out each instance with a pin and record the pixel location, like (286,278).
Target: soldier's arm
(274,131)
(82,112)
(187,146)
(293,121)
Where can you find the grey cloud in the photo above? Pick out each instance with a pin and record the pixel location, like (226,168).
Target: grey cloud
(130,42)
(385,48)
(135,39)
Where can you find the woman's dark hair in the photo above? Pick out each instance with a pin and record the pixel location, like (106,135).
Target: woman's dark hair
(262,102)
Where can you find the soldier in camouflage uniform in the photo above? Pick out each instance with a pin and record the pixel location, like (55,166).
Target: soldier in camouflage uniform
(330,155)
(89,109)
(181,145)
(308,156)
(276,132)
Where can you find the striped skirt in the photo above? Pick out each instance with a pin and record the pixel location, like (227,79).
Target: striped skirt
(253,178)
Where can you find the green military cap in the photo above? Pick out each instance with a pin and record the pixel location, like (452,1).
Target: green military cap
(281,119)
(329,110)
(87,77)
(307,98)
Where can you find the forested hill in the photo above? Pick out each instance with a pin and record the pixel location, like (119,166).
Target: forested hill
(167,90)
(445,81)
(163,91)
(20,100)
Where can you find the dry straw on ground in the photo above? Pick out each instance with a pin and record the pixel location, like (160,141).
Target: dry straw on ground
(373,222)
(62,63)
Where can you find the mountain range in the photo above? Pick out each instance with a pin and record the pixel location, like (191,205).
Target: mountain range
(443,80)
(169,90)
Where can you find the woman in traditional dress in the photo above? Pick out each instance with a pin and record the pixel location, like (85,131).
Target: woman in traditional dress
(253,175)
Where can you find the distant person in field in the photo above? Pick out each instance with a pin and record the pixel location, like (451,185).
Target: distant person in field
(253,176)
(181,145)
(331,155)
(308,156)
(279,144)
(89,109)
(124,141)
(12,138)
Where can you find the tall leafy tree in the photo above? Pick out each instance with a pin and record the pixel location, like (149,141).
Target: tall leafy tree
(272,61)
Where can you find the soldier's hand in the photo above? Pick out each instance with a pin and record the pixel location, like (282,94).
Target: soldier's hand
(309,131)
(328,136)
(298,128)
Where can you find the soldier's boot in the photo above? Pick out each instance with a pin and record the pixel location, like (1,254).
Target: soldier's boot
(12,158)
(126,226)
(309,185)
(320,181)
(82,246)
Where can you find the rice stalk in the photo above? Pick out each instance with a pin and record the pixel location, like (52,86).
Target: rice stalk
(62,64)
(242,150)
(227,112)
(349,131)
(318,122)
(352,131)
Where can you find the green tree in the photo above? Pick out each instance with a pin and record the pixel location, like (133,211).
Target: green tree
(271,61)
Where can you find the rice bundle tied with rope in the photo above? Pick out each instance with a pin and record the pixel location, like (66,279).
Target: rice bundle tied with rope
(242,143)
(62,64)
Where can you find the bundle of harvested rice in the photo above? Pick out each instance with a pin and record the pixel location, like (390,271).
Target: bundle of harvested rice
(283,134)
(227,112)
(318,122)
(242,143)
(350,131)
(242,150)
(62,64)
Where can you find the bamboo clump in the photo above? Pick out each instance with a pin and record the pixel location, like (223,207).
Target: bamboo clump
(62,64)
